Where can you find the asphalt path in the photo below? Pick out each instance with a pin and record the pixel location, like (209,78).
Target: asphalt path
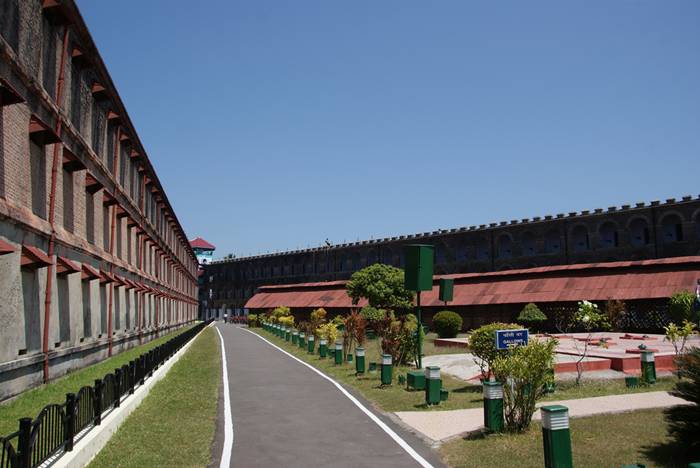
(285,414)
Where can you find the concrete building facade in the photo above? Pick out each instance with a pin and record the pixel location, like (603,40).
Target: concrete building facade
(92,257)
(643,231)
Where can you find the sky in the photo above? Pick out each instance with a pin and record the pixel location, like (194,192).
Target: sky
(274,125)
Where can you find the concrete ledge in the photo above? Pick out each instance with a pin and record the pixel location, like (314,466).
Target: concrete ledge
(85,449)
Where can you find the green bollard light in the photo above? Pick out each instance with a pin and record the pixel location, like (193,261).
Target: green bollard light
(359,361)
(302,343)
(295,337)
(387,369)
(493,406)
(323,348)
(311,343)
(338,353)
(288,334)
(556,437)
(433,384)
(648,367)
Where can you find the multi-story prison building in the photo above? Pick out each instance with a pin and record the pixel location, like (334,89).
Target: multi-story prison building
(92,257)
(525,247)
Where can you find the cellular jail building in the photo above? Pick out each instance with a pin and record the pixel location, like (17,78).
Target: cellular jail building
(92,257)
(638,253)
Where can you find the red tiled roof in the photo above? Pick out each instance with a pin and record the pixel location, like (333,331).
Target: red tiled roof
(646,279)
(200,243)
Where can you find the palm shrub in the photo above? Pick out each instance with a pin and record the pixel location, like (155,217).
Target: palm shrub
(526,372)
(482,343)
(684,421)
(532,317)
(447,324)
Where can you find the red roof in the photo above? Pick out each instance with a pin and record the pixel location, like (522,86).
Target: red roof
(646,279)
(200,243)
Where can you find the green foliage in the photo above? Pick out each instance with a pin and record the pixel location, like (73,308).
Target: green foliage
(252,320)
(680,306)
(482,343)
(616,311)
(329,331)
(678,336)
(382,285)
(447,324)
(372,315)
(589,318)
(354,325)
(531,316)
(684,421)
(278,312)
(526,371)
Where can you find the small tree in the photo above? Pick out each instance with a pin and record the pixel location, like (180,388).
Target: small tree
(353,330)
(678,336)
(316,319)
(482,344)
(590,319)
(680,306)
(684,420)
(532,317)
(447,324)
(382,286)
(616,311)
(525,372)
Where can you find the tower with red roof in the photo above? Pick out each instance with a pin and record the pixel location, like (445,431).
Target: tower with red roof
(203,250)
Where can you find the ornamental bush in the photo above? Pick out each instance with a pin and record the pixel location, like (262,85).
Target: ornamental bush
(372,315)
(329,331)
(680,306)
(447,324)
(252,320)
(532,317)
(684,420)
(482,343)
(278,312)
(286,320)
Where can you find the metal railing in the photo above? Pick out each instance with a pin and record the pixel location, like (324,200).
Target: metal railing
(56,426)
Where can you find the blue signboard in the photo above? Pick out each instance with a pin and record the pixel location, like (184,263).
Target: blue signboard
(508,338)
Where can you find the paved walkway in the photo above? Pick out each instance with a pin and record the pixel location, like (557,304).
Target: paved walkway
(444,425)
(285,414)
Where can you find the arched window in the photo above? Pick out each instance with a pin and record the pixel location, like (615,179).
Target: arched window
(671,229)
(482,249)
(461,253)
(579,239)
(529,244)
(608,235)
(639,232)
(504,247)
(439,254)
(552,242)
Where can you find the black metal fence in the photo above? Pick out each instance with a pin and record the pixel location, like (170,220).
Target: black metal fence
(57,425)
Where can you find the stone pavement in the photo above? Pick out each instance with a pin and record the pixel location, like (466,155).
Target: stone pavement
(441,426)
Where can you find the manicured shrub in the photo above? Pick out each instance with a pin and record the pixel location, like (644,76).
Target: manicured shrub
(482,343)
(278,312)
(252,320)
(528,371)
(329,331)
(684,421)
(447,324)
(286,320)
(372,315)
(532,317)
(680,306)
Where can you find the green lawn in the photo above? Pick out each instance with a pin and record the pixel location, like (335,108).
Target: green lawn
(597,441)
(29,404)
(174,426)
(462,395)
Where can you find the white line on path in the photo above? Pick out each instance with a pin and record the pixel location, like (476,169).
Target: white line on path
(228,420)
(402,443)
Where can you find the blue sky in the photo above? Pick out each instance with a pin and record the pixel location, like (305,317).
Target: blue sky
(274,125)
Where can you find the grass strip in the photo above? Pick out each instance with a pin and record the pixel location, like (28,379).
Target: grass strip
(174,425)
(602,440)
(29,403)
(462,394)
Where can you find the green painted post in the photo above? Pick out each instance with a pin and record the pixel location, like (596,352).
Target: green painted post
(338,353)
(433,384)
(302,343)
(288,334)
(556,437)
(311,343)
(387,369)
(323,348)
(359,361)
(295,337)
(648,367)
(493,406)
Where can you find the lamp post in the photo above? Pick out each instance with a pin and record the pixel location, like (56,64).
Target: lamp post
(418,277)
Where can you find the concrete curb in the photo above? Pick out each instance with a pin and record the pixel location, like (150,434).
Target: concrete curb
(89,445)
